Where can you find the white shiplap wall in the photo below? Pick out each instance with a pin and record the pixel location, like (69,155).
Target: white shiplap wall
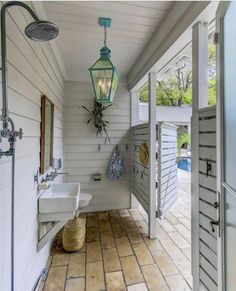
(82,156)
(33,70)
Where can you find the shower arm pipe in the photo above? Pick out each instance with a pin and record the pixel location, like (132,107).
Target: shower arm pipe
(5,112)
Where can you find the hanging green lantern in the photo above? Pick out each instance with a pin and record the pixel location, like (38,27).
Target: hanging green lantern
(103,74)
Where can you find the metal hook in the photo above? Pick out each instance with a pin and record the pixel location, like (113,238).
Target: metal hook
(208,167)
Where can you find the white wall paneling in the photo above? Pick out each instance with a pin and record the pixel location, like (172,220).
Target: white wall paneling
(83,158)
(33,71)
(167,167)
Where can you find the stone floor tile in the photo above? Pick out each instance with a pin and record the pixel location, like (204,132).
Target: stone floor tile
(165,263)
(104,225)
(103,215)
(134,236)
(153,244)
(95,277)
(142,253)
(136,215)
(124,213)
(142,226)
(56,279)
(186,222)
(172,250)
(123,246)
(177,283)
(76,266)
(179,240)
(92,234)
(115,281)
(107,240)
(187,253)
(118,230)
(115,219)
(60,259)
(111,260)
(164,223)
(92,220)
(94,253)
(138,287)
(153,277)
(114,213)
(131,270)
(76,284)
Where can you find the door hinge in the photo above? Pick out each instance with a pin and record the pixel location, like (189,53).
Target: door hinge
(156,185)
(216,38)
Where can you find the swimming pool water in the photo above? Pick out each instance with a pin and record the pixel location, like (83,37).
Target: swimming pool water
(184,164)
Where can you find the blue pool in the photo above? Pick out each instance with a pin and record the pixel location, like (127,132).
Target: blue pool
(184,164)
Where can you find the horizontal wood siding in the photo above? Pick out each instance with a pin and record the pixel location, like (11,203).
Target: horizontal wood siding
(207,198)
(85,154)
(167,168)
(140,173)
(33,71)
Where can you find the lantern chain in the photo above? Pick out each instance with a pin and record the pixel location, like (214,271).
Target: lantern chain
(105,35)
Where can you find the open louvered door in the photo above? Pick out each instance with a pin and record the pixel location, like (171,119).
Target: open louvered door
(166,167)
(204,200)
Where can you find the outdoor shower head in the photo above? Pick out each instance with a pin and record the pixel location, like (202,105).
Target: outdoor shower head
(41,30)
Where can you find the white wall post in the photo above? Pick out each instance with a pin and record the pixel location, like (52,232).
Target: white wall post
(200,100)
(134,97)
(134,120)
(152,154)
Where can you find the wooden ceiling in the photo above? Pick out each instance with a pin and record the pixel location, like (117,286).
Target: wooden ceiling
(81,38)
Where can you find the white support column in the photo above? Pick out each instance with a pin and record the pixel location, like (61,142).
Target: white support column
(200,100)
(152,154)
(134,120)
(134,108)
(200,65)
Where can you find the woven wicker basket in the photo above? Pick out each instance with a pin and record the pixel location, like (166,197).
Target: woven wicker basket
(74,234)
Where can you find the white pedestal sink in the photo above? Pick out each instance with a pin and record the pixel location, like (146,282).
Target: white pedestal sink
(56,206)
(61,197)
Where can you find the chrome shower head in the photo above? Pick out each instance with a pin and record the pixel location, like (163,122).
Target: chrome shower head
(41,30)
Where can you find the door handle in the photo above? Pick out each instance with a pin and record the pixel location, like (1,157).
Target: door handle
(212,223)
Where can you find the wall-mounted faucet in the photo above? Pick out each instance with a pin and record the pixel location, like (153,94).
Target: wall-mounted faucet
(51,176)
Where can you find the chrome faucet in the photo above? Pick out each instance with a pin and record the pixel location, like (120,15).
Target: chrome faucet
(52,176)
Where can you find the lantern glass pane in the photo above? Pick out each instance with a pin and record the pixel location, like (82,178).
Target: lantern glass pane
(103,64)
(114,84)
(102,83)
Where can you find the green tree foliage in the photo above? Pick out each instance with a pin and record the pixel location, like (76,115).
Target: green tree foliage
(182,139)
(177,89)
(211,74)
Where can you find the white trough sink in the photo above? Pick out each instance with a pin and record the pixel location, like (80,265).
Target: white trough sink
(61,197)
